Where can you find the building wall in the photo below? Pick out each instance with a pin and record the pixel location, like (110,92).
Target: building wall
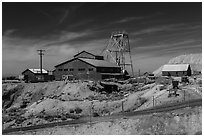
(174,73)
(85,55)
(177,73)
(108,70)
(72,68)
(29,76)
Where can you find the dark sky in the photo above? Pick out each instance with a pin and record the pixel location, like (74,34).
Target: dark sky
(157,31)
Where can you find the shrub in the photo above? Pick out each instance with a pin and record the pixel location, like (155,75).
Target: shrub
(142,100)
(200,83)
(71,111)
(78,110)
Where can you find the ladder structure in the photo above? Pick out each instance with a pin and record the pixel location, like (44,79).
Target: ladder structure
(118,51)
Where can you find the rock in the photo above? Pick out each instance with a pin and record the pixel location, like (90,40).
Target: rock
(177,119)
(95,114)
(8,124)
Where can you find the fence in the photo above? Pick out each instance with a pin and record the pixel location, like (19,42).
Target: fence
(182,95)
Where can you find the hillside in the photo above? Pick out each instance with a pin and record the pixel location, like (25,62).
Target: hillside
(186,121)
(29,104)
(195,60)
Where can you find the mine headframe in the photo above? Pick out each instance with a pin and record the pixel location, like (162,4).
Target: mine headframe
(118,50)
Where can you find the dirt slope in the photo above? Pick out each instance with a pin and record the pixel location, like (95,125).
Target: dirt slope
(179,122)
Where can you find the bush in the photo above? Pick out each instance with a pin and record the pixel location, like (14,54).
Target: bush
(200,83)
(71,111)
(78,110)
(142,100)
(95,114)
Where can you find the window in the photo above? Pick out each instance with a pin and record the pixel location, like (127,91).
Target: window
(183,72)
(65,69)
(81,69)
(71,69)
(60,69)
(90,69)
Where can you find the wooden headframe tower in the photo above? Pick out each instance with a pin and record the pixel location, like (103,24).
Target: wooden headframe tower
(118,50)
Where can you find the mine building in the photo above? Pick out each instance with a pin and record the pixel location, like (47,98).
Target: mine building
(85,65)
(85,54)
(34,75)
(177,70)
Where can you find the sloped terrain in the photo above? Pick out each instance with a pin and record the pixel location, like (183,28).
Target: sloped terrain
(187,121)
(27,104)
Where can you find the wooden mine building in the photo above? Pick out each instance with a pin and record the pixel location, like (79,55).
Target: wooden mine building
(176,70)
(86,65)
(34,75)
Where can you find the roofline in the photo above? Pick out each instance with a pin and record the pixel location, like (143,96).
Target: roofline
(86,62)
(84,51)
(97,66)
(65,62)
(32,72)
(72,60)
(82,61)
(177,64)
(189,66)
(25,71)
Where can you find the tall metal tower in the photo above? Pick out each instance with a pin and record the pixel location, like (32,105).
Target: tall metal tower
(118,50)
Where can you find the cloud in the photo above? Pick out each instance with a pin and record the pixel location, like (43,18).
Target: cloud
(128,19)
(81,23)
(157,29)
(44,13)
(66,37)
(57,39)
(23,51)
(64,16)
(9,32)
(170,27)
(163,49)
(69,12)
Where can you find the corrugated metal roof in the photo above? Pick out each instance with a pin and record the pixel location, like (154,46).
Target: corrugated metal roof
(38,71)
(175,67)
(98,63)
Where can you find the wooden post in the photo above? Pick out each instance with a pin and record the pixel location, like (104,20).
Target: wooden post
(90,112)
(184,95)
(122,107)
(153,101)
(189,99)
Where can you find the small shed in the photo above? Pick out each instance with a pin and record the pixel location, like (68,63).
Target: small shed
(177,70)
(34,75)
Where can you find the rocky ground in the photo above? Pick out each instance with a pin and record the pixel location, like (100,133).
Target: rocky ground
(26,104)
(178,122)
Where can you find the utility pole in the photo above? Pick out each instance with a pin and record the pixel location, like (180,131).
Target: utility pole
(41,55)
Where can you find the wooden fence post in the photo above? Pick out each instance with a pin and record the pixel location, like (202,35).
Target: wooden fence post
(122,107)
(184,95)
(153,101)
(90,112)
